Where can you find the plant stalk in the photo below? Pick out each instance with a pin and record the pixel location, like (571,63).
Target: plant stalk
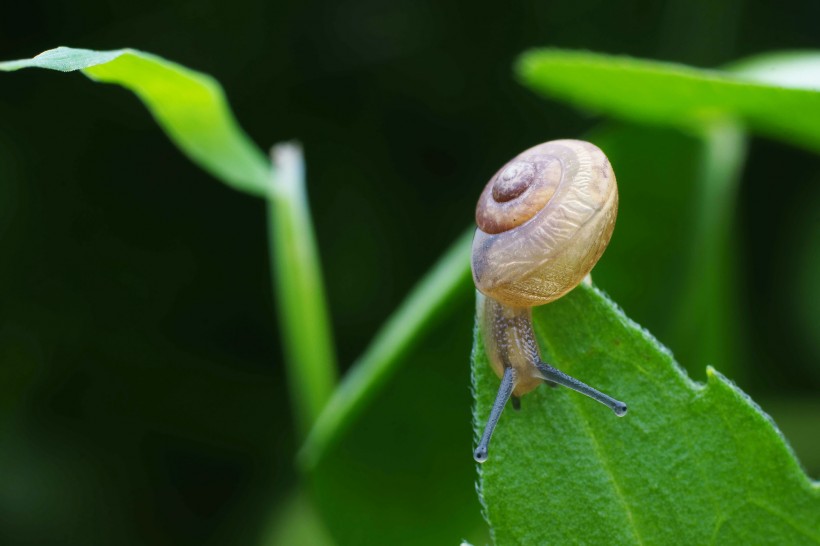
(298,289)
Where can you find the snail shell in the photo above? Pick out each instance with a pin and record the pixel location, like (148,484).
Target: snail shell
(543,220)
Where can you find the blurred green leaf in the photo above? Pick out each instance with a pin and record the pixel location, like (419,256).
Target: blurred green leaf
(705,318)
(192,109)
(798,416)
(299,288)
(189,106)
(674,94)
(426,303)
(670,261)
(689,463)
(800,260)
(401,473)
(296,522)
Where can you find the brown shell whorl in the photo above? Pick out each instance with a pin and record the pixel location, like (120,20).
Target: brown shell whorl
(543,220)
(518,191)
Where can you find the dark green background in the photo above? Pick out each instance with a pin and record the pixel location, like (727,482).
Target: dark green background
(142,395)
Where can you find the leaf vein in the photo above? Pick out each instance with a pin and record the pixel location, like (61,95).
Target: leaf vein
(794,525)
(605,464)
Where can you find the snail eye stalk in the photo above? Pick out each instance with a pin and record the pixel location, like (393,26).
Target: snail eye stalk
(548,373)
(504,393)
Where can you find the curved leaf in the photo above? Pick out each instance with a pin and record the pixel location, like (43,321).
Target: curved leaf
(673,94)
(689,463)
(189,106)
(192,109)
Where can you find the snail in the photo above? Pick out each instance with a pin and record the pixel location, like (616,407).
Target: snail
(543,221)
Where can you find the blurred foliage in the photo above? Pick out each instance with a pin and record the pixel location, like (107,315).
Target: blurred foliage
(142,378)
(681,96)
(297,522)
(429,303)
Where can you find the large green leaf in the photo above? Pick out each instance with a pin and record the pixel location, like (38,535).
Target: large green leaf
(189,106)
(679,95)
(689,463)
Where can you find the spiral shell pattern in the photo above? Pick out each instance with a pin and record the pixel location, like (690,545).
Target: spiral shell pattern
(543,220)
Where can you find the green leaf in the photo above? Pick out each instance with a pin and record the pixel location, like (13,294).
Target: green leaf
(689,463)
(189,106)
(676,95)
(192,109)
(425,303)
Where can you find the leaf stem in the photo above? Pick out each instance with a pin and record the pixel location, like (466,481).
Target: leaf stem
(298,288)
(707,321)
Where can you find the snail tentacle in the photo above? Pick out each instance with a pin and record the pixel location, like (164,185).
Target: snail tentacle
(548,373)
(504,393)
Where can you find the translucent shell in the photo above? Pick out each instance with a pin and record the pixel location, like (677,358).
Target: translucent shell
(543,220)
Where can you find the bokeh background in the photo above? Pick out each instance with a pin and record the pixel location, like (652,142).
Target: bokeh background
(142,390)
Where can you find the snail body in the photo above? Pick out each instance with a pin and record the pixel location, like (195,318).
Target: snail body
(544,220)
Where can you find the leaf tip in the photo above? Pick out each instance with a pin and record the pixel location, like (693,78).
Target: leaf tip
(526,64)
(289,152)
